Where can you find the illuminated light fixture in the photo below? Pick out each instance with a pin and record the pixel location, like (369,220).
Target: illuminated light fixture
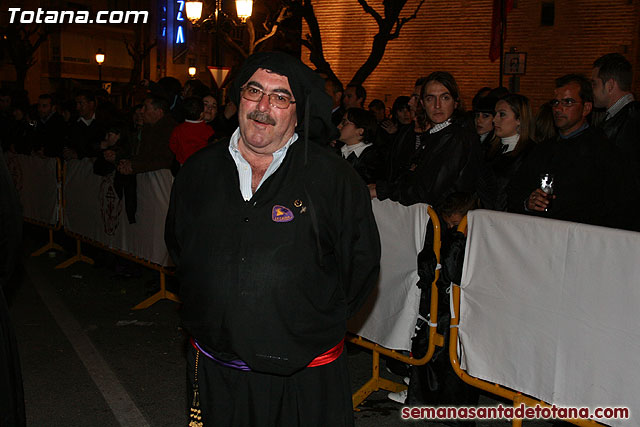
(192,71)
(194,11)
(244,9)
(100,57)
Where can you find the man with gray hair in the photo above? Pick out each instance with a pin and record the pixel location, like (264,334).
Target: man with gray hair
(276,247)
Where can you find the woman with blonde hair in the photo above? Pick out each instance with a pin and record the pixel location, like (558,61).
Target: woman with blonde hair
(514,126)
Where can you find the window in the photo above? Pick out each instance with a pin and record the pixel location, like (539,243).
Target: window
(548,13)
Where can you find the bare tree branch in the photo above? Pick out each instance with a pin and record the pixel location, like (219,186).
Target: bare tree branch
(138,50)
(252,36)
(284,14)
(313,40)
(148,47)
(389,30)
(239,49)
(371,11)
(21,48)
(403,21)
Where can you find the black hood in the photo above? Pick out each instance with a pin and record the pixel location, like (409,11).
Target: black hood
(307,87)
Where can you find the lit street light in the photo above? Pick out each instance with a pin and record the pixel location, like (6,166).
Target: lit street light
(100,60)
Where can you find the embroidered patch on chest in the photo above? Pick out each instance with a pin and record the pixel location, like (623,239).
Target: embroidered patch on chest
(281,214)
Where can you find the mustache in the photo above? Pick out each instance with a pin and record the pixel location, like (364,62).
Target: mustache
(261,117)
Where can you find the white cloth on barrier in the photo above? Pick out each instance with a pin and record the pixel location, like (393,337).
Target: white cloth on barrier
(389,316)
(550,308)
(93,210)
(36,180)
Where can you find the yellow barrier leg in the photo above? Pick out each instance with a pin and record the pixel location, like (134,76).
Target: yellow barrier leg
(517,422)
(49,246)
(78,257)
(163,293)
(375,383)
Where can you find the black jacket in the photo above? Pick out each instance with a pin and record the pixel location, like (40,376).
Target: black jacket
(369,165)
(505,167)
(272,280)
(451,161)
(623,130)
(50,135)
(85,140)
(587,180)
(401,152)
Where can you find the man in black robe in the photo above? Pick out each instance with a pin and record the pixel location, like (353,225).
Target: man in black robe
(12,411)
(276,247)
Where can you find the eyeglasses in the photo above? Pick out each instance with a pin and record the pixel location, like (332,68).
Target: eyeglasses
(277,100)
(344,122)
(566,102)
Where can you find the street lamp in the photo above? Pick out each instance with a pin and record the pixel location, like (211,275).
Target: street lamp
(100,60)
(194,9)
(244,9)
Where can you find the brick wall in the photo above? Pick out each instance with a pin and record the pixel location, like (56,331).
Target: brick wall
(453,35)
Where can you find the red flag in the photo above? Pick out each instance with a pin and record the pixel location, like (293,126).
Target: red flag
(496,24)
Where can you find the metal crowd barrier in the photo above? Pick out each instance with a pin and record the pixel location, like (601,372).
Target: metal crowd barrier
(36,209)
(518,398)
(61,175)
(51,245)
(376,382)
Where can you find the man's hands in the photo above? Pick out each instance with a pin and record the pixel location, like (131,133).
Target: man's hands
(372,191)
(124,167)
(109,156)
(69,154)
(539,200)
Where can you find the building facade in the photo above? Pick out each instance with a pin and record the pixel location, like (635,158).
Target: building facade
(559,37)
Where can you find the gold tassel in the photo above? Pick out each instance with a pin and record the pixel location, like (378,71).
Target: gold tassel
(195,414)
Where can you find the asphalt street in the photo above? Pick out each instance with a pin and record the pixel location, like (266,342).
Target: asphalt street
(89,360)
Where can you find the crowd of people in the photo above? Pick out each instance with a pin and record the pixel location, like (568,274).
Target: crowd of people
(497,155)
(425,148)
(429,148)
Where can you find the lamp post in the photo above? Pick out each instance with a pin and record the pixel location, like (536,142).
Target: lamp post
(100,60)
(244,9)
(194,9)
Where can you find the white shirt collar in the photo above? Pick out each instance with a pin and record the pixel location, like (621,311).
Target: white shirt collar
(440,126)
(193,121)
(510,142)
(87,122)
(244,169)
(355,148)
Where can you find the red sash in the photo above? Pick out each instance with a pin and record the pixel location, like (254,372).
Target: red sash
(328,356)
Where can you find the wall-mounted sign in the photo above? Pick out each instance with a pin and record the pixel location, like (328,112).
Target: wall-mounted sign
(180,46)
(515,63)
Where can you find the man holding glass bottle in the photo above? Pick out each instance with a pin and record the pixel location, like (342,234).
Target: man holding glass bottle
(572,177)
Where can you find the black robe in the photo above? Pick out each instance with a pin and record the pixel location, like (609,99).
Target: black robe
(12,411)
(272,280)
